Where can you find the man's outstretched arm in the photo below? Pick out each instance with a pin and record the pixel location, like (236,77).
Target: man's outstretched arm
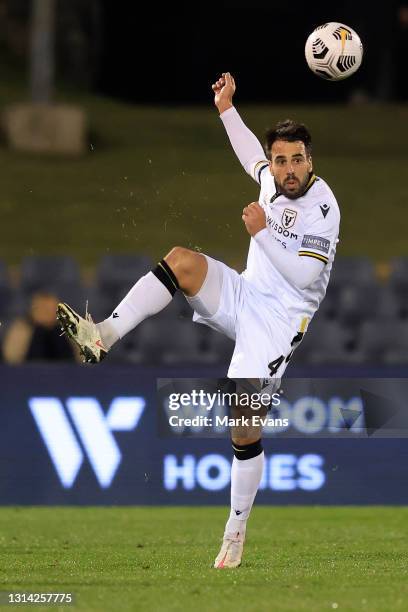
(246,146)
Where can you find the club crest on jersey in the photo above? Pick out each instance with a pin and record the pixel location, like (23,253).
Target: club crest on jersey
(288,218)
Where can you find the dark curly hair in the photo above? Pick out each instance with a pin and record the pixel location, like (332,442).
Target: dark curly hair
(290,131)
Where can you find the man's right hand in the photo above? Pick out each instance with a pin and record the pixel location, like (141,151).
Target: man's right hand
(224,90)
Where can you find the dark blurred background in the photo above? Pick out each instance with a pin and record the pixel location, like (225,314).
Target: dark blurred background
(164,53)
(111,153)
(169,55)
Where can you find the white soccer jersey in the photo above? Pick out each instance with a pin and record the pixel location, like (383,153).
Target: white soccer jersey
(308,226)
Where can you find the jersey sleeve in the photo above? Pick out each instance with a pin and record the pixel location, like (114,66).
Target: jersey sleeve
(321,232)
(245,144)
(257,170)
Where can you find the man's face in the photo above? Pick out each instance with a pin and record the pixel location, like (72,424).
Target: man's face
(290,166)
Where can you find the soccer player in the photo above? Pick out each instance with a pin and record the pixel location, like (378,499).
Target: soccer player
(294,229)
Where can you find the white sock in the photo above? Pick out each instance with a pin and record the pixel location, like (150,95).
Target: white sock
(246,475)
(146,298)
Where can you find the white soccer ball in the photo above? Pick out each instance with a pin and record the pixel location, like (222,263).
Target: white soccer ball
(333,51)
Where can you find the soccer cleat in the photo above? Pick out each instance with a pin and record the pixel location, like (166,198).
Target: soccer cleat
(231,551)
(83,332)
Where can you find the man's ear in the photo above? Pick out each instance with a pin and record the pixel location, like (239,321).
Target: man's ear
(310,161)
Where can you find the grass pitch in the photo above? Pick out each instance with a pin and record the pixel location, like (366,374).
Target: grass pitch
(160,558)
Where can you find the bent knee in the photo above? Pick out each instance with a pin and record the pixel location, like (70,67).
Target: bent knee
(177,252)
(182,260)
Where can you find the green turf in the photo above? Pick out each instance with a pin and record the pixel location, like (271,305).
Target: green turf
(156,177)
(150,559)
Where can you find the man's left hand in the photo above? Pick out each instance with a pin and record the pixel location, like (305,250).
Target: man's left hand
(254,218)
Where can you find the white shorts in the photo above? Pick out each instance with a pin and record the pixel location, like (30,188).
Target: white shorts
(231,305)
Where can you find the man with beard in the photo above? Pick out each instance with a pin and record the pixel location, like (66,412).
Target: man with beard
(294,229)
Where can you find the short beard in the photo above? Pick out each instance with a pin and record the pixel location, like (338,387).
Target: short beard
(291,195)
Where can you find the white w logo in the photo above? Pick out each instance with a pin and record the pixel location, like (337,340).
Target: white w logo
(94,430)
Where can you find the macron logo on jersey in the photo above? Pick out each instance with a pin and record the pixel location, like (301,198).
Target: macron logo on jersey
(325,209)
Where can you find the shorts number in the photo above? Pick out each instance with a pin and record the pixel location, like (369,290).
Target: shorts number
(275,365)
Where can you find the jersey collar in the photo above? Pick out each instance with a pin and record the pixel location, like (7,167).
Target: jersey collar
(311,181)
